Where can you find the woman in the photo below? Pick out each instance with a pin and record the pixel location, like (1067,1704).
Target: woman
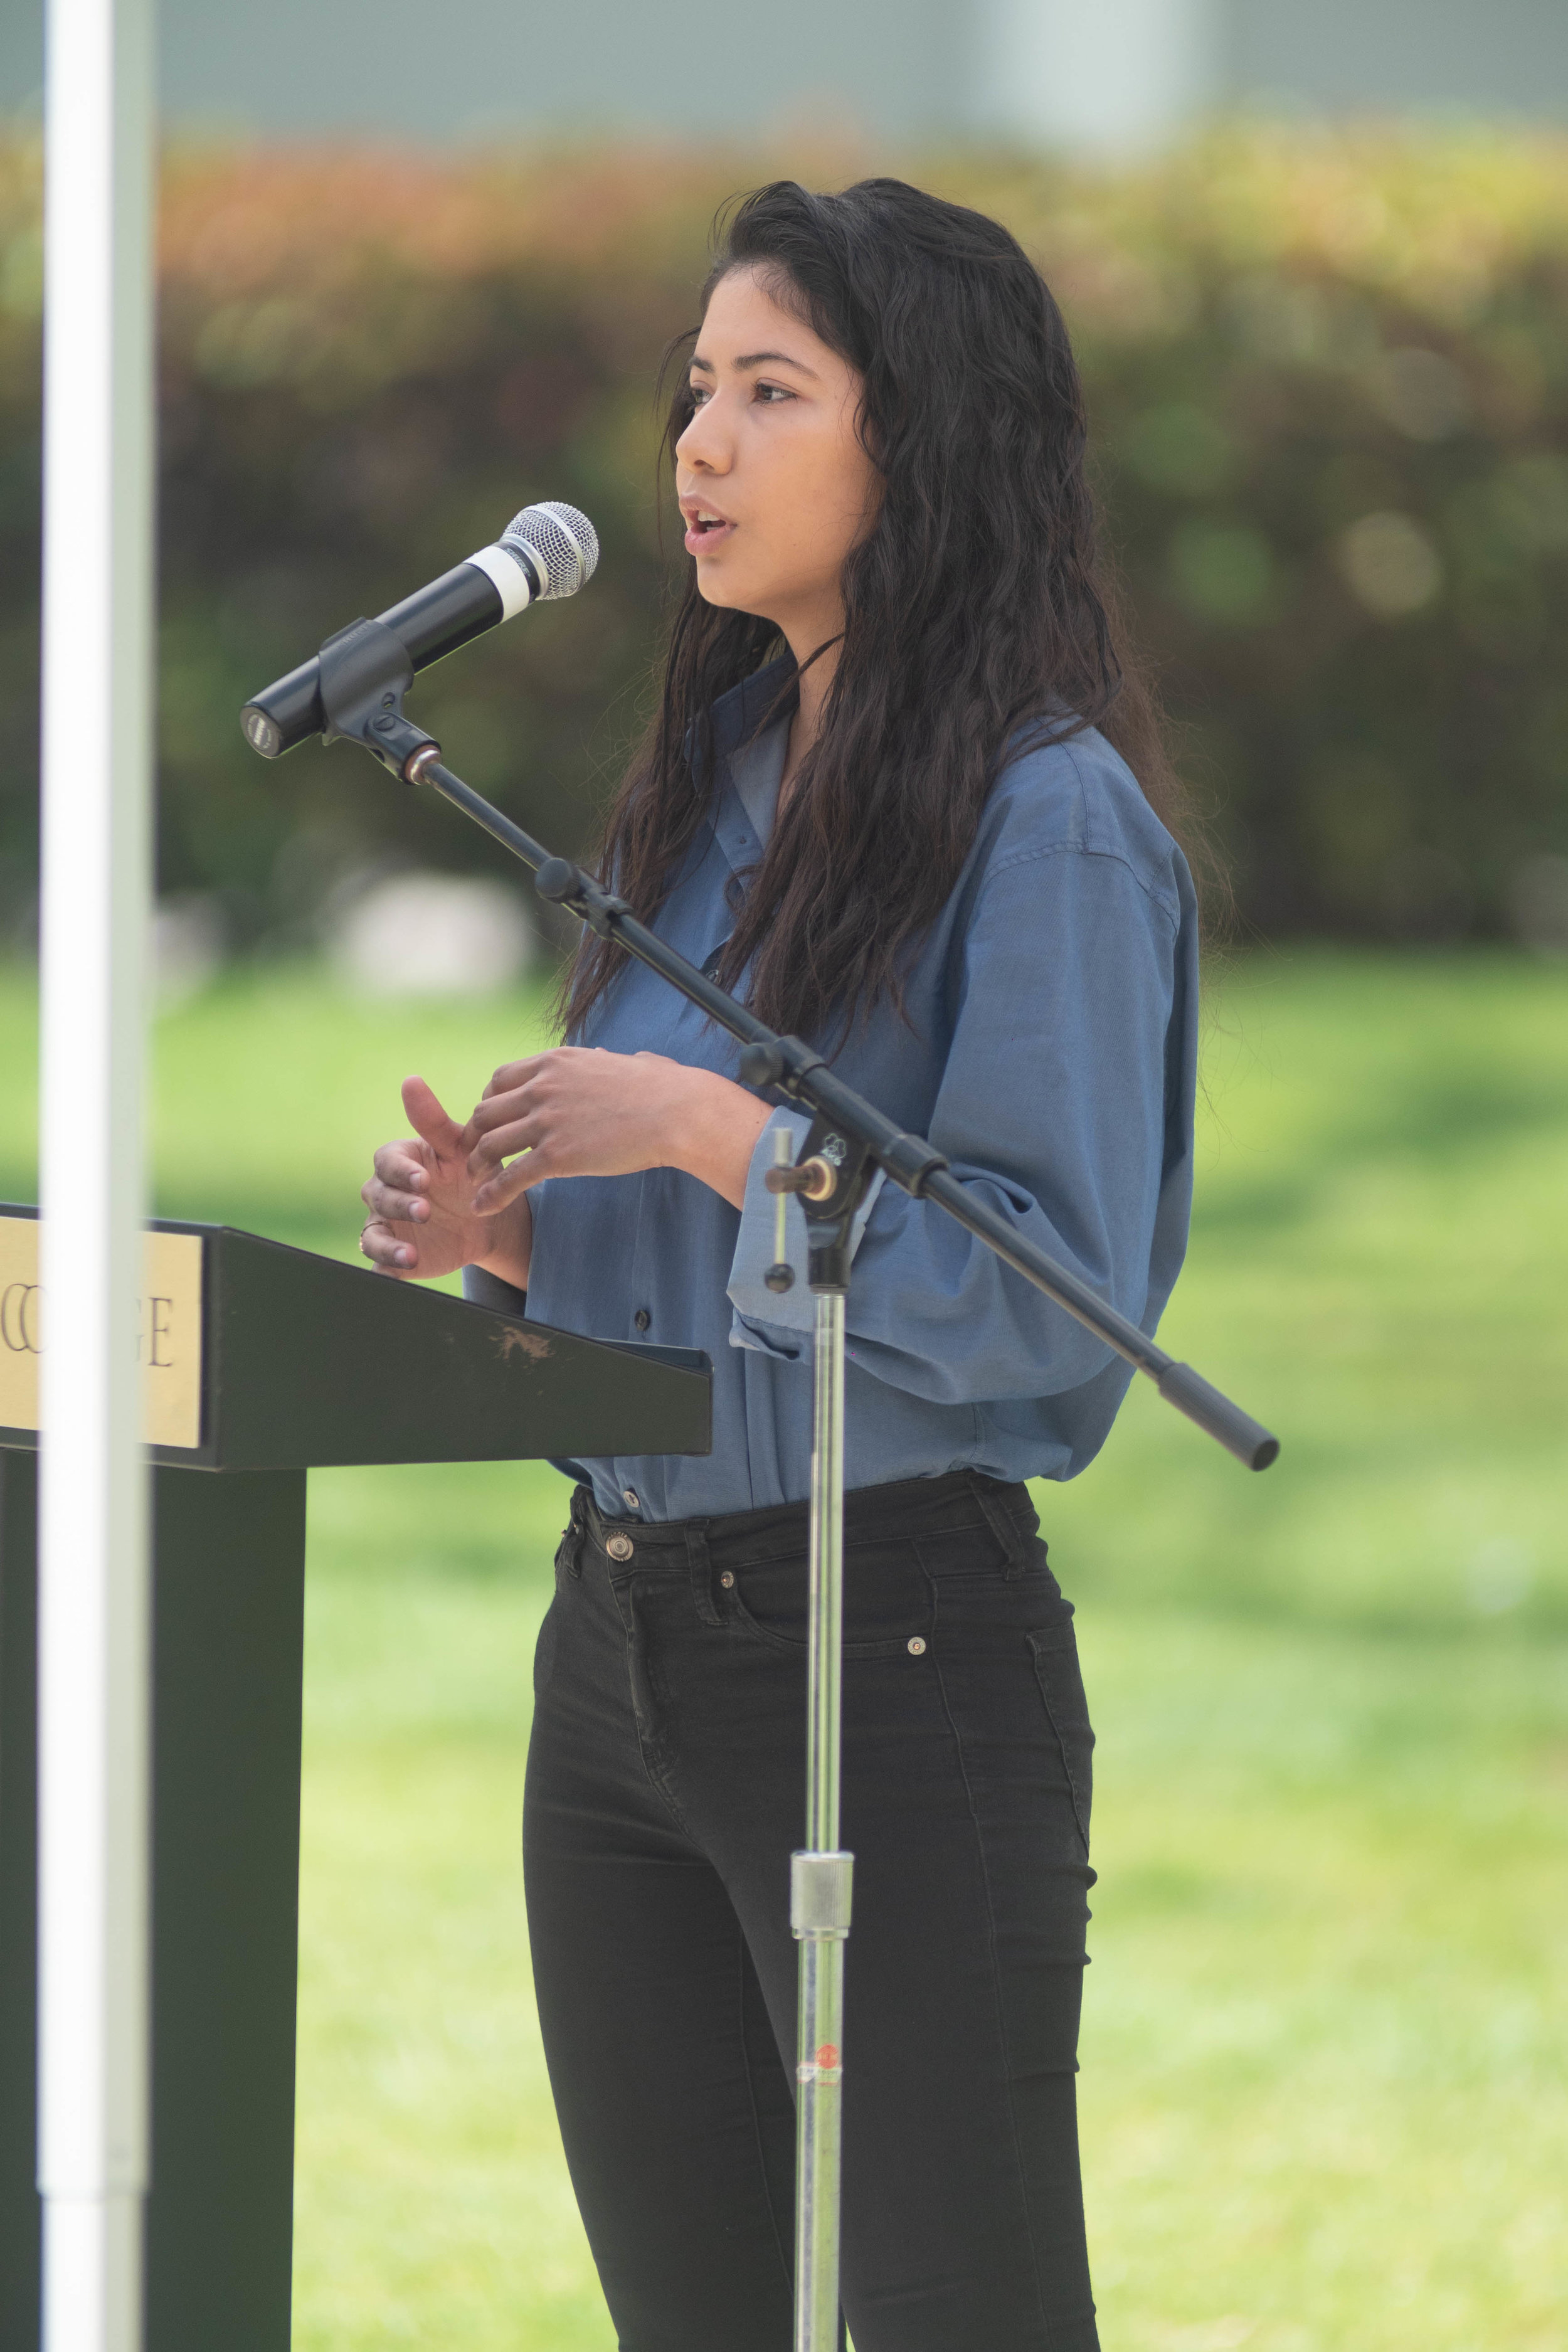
(905,794)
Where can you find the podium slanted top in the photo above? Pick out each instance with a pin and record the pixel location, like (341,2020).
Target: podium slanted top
(259,1356)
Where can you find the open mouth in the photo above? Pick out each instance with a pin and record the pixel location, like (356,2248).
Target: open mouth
(704,529)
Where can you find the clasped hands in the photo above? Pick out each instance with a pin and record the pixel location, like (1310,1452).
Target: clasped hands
(451,1196)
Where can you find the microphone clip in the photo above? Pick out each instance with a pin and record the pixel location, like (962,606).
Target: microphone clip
(365,672)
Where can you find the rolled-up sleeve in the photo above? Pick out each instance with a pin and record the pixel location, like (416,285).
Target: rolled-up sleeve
(1052,1108)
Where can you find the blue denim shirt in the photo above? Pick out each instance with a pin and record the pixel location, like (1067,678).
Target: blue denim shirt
(1050,1052)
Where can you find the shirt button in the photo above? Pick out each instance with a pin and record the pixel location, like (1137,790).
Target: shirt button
(642,1319)
(727,1580)
(619,1547)
(629,1497)
(917,1643)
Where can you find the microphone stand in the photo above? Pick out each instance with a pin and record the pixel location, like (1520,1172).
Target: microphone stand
(366,672)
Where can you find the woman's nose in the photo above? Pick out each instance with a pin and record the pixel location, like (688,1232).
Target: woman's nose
(704,441)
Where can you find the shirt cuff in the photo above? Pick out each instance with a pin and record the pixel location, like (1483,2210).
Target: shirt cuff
(483,1289)
(776,1321)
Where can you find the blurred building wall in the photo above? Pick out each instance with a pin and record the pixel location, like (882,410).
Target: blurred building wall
(1110,75)
(1445,56)
(1081,73)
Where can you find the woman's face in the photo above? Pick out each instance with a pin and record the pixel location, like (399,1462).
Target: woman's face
(772,480)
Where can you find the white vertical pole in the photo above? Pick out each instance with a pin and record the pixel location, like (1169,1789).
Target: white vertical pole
(93,1597)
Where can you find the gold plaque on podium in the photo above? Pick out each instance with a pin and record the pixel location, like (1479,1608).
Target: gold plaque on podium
(168,1333)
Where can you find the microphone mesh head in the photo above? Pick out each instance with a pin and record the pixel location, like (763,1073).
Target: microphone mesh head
(563,544)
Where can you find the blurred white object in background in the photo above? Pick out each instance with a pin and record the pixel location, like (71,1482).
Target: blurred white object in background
(190,939)
(1114,78)
(429,935)
(1390,564)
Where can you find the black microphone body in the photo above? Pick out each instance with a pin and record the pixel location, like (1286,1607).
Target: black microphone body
(547,552)
(463,603)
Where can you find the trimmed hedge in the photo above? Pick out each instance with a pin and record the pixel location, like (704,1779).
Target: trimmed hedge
(1328,375)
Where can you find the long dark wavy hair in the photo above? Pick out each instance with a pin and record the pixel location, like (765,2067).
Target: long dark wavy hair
(978,613)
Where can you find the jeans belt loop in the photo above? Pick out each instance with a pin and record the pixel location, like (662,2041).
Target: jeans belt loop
(701,1567)
(1007,1532)
(576,1535)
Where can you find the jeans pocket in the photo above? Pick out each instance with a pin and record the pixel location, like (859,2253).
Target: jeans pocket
(893,1645)
(887,1602)
(1061,1688)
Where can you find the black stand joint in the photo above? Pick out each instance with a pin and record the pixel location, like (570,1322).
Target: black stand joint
(365,672)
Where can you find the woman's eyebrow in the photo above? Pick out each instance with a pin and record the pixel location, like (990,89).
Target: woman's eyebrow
(757,359)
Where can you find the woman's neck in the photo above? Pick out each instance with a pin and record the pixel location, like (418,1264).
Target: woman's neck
(815,680)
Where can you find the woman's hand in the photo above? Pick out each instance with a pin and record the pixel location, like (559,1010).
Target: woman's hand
(423,1220)
(578,1111)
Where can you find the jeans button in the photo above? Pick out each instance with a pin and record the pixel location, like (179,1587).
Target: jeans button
(727,1580)
(620,1548)
(917,1642)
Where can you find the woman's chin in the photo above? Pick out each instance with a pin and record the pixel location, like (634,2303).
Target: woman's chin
(715,588)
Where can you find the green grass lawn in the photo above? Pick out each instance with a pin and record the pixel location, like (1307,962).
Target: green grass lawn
(1325,2042)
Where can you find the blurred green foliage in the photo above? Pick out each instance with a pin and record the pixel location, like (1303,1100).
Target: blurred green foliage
(1327,374)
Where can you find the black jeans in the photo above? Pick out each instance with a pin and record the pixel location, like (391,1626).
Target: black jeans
(665,1791)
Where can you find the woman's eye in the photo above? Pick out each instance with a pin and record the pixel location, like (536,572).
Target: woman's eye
(699,395)
(774,393)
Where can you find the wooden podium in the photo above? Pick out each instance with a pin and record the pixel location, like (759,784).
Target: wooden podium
(277,1361)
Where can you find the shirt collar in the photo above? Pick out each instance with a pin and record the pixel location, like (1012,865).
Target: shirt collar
(739,713)
(748,808)
(750,764)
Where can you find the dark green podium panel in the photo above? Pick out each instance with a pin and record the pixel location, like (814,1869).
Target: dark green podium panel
(303,1361)
(228,1631)
(19,1907)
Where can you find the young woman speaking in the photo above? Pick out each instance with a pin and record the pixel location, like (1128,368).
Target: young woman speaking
(905,794)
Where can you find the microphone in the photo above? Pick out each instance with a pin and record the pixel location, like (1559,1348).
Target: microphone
(545,553)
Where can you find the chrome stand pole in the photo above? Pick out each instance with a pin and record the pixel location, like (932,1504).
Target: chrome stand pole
(820,1877)
(830,1178)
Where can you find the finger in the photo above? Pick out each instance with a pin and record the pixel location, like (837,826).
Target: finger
(424,1106)
(512,1074)
(386,1252)
(401,1163)
(500,1189)
(503,1142)
(385,1202)
(494,1110)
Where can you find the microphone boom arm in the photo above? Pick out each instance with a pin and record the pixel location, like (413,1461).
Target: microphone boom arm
(366,672)
(792,1067)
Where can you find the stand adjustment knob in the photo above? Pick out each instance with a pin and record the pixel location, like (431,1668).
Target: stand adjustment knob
(814,1177)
